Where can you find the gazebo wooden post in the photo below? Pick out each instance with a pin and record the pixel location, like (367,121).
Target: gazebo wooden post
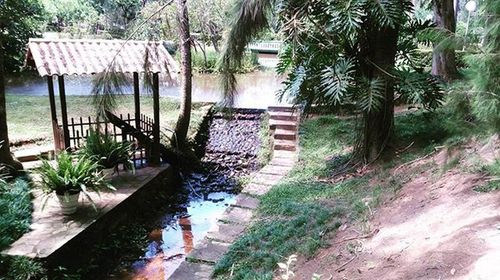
(64,112)
(53,114)
(155,151)
(137,101)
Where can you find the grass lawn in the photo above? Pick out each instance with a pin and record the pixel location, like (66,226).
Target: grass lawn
(306,208)
(28,117)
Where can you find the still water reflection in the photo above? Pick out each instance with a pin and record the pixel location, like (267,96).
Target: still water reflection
(257,89)
(170,244)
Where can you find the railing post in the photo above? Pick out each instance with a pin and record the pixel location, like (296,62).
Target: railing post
(155,150)
(53,114)
(137,101)
(64,112)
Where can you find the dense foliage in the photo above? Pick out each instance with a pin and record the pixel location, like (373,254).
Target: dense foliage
(484,72)
(359,54)
(14,197)
(19,21)
(327,57)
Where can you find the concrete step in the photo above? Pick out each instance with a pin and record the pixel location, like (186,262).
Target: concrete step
(285,125)
(285,145)
(281,108)
(284,155)
(283,134)
(34,154)
(285,116)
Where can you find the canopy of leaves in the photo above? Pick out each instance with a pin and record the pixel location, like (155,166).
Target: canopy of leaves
(327,42)
(19,21)
(327,50)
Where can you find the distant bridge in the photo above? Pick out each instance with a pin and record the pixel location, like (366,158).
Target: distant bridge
(270,47)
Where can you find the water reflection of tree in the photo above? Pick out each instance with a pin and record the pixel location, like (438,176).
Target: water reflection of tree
(187,233)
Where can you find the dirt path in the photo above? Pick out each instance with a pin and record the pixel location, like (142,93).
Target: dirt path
(437,227)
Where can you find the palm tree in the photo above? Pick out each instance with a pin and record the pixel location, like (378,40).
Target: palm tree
(340,53)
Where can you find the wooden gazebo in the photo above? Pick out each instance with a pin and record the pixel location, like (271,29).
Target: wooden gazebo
(87,57)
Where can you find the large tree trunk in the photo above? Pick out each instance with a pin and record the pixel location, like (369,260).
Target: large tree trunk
(181,129)
(378,124)
(5,155)
(443,60)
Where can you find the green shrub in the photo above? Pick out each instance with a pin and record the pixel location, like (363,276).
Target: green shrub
(23,268)
(70,176)
(15,217)
(107,152)
(484,73)
(492,171)
(248,64)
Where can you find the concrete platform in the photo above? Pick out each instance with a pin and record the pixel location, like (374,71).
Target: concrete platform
(208,251)
(54,237)
(192,271)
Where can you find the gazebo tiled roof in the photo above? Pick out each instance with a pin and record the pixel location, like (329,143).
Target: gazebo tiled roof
(77,57)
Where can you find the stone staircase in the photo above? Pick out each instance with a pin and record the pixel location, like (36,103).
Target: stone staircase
(199,264)
(283,121)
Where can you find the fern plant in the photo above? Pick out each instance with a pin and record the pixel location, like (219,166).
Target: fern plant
(107,152)
(69,175)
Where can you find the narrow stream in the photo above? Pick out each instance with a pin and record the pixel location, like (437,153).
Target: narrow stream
(231,153)
(177,234)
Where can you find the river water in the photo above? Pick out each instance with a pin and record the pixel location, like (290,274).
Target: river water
(256,90)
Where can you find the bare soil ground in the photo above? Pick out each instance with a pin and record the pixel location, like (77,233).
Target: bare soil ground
(435,227)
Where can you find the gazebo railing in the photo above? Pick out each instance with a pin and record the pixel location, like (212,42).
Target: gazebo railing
(79,129)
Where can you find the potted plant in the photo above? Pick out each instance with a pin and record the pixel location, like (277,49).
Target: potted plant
(68,177)
(107,152)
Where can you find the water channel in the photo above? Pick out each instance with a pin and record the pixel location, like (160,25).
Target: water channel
(231,153)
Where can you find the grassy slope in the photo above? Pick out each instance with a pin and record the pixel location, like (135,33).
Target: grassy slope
(28,117)
(298,213)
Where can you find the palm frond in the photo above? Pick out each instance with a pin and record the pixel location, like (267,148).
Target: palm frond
(388,13)
(371,95)
(249,17)
(336,81)
(419,88)
(346,17)
(106,86)
(292,86)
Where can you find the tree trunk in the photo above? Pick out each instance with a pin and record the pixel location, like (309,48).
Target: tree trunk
(213,36)
(378,124)
(5,155)
(443,60)
(182,126)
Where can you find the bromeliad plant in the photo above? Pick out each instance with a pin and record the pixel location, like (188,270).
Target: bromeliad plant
(107,152)
(72,176)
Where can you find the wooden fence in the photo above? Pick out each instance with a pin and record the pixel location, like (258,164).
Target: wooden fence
(79,129)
